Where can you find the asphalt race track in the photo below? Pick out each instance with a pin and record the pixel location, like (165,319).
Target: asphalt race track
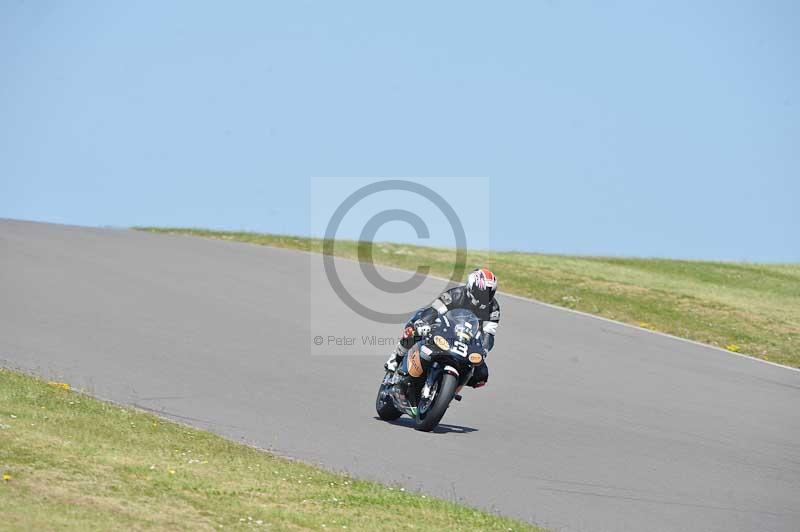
(585,424)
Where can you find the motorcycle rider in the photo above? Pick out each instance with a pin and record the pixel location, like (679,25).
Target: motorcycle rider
(477,295)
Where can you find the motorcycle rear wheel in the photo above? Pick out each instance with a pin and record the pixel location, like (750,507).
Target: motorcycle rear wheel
(384,404)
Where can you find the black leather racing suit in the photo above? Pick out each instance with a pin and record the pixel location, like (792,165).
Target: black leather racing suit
(489,316)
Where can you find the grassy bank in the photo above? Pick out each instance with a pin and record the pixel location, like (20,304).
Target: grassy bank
(749,308)
(70,462)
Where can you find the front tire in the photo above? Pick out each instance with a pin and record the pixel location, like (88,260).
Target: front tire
(434,414)
(384,404)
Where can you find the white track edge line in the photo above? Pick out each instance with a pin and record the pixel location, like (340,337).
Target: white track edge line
(514,296)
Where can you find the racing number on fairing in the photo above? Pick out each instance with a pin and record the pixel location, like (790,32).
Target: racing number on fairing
(459,348)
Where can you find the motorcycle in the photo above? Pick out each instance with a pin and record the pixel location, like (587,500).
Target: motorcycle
(435,368)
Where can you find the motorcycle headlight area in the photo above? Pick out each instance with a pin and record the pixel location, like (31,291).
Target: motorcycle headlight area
(475,358)
(441,343)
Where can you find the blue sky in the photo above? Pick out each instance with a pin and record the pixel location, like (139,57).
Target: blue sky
(623,128)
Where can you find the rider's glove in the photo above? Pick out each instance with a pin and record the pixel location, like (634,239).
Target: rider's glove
(422,327)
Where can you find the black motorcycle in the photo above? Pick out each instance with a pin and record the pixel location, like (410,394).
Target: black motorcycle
(435,367)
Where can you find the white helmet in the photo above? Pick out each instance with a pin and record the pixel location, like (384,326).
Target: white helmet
(481,287)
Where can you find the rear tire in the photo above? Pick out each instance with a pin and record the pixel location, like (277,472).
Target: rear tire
(384,404)
(445,394)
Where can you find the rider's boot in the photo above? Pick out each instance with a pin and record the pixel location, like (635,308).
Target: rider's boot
(395,358)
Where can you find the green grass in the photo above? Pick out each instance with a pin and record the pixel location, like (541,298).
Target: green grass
(71,462)
(749,308)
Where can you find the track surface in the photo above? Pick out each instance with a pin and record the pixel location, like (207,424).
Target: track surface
(585,424)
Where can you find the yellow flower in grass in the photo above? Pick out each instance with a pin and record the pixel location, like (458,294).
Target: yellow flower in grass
(6,477)
(62,385)
(733,347)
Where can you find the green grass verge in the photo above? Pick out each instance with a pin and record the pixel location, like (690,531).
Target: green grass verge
(749,308)
(71,462)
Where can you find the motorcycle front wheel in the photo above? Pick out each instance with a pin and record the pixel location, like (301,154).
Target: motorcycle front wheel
(429,415)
